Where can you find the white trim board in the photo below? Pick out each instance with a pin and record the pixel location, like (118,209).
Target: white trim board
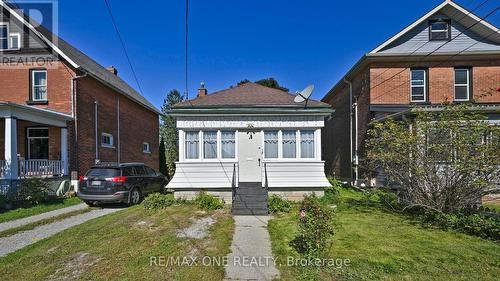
(445,4)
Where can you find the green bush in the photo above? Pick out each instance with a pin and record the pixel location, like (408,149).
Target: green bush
(157,201)
(315,229)
(33,191)
(467,222)
(3,201)
(208,202)
(335,182)
(279,205)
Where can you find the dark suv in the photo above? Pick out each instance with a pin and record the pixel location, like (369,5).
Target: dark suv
(123,183)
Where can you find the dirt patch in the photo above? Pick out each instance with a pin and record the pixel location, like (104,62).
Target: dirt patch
(197,230)
(74,268)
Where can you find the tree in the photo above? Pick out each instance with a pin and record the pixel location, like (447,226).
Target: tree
(268,82)
(445,161)
(169,132)
(163,158)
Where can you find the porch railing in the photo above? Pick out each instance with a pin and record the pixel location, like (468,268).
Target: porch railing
(38,168)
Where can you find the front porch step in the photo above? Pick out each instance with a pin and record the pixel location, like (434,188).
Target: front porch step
(250,199)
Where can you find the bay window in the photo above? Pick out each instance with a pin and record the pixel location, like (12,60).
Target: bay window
(271,144)
(210,144)
(192,144)
(307,144)
(289,144)
(228,144)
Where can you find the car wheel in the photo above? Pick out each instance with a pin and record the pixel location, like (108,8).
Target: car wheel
(89,203)
(134,197)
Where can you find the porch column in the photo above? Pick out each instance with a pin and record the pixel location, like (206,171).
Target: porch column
(64,151)
(12,169)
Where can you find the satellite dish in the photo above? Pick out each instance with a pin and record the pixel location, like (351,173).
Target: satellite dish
(304,95)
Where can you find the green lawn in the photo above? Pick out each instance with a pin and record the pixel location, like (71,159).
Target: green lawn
(382,245)
(493,206)
(38,209)
(119,246)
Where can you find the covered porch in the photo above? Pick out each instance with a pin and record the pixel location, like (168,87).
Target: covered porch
(35,142)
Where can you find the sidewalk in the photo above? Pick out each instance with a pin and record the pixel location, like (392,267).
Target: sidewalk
(24,221)
(251,256)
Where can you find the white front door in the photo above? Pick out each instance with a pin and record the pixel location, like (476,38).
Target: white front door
(250,155)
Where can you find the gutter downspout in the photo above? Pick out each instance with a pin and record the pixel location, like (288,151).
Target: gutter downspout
(350,128)
(353,156)
(96,115)
(75,125)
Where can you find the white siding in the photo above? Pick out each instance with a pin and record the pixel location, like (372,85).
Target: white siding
(417,40)
(202,175)
(296,174)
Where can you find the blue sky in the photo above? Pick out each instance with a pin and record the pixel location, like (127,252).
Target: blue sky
(296,41)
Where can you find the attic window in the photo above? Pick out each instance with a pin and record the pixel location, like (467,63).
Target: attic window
(439,30)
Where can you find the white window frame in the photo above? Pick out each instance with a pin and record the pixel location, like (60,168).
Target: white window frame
(111,138)
(447,30)
(219,147)
(11,37)
(28,138)
(298,152)
(7,34)
(461,85)
(418,86)
(147,146)
(33,86)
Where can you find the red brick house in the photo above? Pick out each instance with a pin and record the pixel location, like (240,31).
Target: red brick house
(448,55)
(62,112)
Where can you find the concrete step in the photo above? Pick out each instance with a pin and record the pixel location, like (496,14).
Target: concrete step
(250,211)
(251,191)
(250,184)
(239,200)
(249,205)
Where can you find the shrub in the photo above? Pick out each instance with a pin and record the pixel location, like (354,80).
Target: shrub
(279,205)
(3,201)
(315,229)
(32,191)
(467,222)
(208,202)
(335,182)
(158,201)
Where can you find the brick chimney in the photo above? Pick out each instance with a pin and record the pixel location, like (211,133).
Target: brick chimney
(202,91)
(113,70)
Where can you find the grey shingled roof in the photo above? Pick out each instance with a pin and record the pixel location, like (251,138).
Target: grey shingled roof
(249,95)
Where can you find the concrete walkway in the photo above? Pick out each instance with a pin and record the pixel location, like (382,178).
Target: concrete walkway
(251,257)
(24,221)
(24,238)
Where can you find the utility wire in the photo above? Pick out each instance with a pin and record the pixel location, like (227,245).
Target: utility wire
(123,45)
(413,64)
(187,44)
(414,51)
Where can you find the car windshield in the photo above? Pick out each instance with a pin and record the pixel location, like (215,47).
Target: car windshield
(106,172)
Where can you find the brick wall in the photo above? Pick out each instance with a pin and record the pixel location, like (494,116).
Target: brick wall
(16,85)
(137,125)
(390,84)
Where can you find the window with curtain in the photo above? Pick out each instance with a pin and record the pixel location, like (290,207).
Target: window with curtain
(210,144)
(192,145)
(228,144)
(271,144)
(39,85)
(307,144)
(289,144)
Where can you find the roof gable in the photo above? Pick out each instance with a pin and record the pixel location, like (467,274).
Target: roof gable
(248,95)
(79,60)
(469,34)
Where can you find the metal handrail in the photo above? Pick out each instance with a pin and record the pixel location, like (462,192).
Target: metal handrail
(266,181)
(233,183)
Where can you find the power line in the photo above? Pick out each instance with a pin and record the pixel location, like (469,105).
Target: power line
(187,41)
(414,51)
(123,45)
(413,64)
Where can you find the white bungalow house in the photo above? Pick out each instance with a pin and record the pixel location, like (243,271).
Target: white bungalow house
(249,140)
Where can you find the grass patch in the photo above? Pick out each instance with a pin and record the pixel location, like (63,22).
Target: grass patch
(119,246)
(492,206)
(382,245)
(20,213)
(31,226)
